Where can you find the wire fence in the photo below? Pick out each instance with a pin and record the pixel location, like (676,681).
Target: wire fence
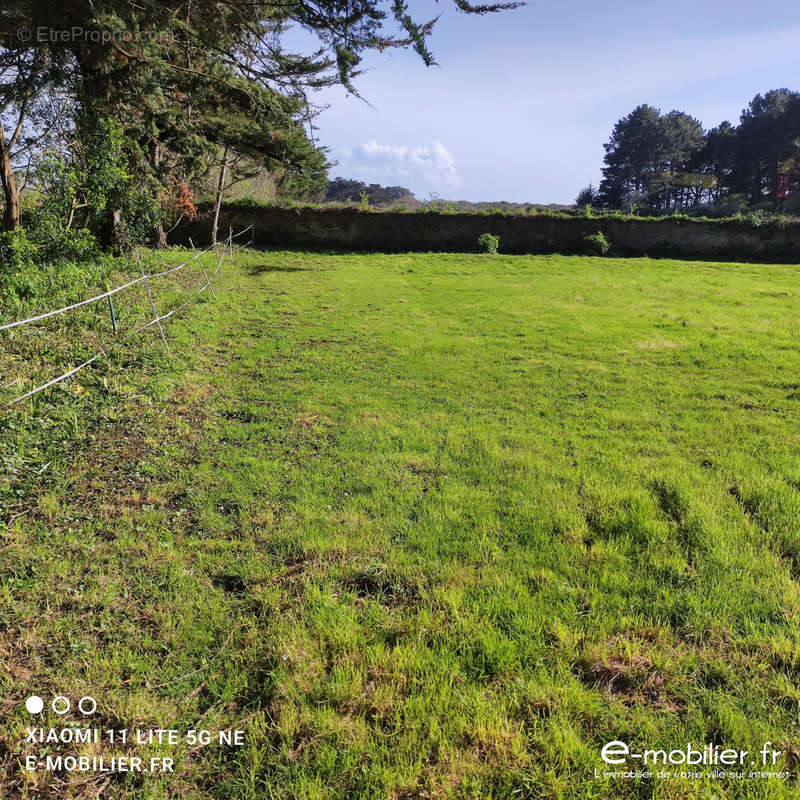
(144,279)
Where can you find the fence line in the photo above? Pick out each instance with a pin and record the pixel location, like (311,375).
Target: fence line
(55,380)
(240,247)
(180,266)
(202,268)
(152,303)
(237,235)
(226,250)
(69,308)
(169,313)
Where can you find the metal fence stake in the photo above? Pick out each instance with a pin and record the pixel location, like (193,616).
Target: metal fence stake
(111,309)
(152,303)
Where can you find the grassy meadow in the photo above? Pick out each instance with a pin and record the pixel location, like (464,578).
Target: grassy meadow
(423,526)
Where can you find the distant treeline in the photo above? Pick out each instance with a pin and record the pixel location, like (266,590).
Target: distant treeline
(658,163)
(344,190)
(373,195)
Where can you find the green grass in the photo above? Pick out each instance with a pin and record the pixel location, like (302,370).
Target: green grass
(422,525)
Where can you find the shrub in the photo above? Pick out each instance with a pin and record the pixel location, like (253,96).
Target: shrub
(18,257)
(176,201)
(17,252)
(488,243)
(597,244)
(55,243)
(81,194)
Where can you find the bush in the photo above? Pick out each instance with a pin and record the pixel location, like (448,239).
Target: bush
(597,244)
(55,243)
(18,256)
(488,243)
(80,193)
(17,252)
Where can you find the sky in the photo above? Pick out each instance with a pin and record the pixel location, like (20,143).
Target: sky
(522,101)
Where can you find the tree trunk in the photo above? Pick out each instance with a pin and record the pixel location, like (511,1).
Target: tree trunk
(112,234)
(161,234)
(218,202)
(10,191)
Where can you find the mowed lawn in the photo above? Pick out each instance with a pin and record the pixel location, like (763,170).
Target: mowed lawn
(433,526)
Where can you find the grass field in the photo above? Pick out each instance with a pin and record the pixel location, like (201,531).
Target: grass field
(426,526)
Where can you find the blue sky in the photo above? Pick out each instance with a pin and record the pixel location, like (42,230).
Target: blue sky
(521,102)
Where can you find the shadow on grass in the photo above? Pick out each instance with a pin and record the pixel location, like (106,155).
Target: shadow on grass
(257,269)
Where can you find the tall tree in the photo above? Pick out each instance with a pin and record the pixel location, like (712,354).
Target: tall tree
(716,158)
(681,137)
(767,135)
(633,156)
(195,76)
(648,160)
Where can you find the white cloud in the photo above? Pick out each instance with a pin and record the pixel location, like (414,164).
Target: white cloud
(431,166)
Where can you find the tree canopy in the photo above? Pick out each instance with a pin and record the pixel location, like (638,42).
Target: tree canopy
(193,84)
(344,190)
(666,161)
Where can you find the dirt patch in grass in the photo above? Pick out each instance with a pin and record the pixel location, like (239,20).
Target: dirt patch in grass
(384,585)
(629,675)
(108,475)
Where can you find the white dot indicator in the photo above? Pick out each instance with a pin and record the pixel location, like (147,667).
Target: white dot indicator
(34,704)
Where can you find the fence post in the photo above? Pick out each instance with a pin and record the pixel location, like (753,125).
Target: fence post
(152,302)
(111,308)
(205,275)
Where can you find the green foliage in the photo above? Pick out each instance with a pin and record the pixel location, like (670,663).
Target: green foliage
(73,211)
(81,193)
(18,256)
(434,204)
(487,243)
(596,244)
(26,273)
(666,161)
(588,196)
(17,252)
(56,242)
(701,216)
(342,190)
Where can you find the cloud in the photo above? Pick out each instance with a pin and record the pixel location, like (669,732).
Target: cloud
(431,166)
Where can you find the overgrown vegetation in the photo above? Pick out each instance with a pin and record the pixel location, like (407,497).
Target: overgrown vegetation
(487,243)
(597,244)
(416,547)
(113,115)
(752,219)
